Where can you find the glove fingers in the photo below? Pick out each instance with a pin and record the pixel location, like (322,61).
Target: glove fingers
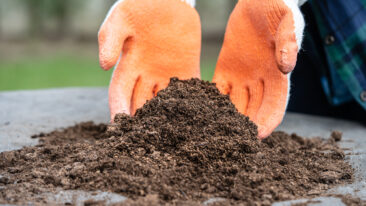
(221,83)
(143,91)
(240,97)
(286,55)
(255,99)
(112,35)
(120,91)
(160,86)
(273,107)
(288,42)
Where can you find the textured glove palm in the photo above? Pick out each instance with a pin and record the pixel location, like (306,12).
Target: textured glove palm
(148,41)
(260,48)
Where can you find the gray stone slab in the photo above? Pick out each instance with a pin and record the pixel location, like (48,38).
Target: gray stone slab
(24,113)
(319,201)
(77,197)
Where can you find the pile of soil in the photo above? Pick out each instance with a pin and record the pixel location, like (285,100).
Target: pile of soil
(186,145)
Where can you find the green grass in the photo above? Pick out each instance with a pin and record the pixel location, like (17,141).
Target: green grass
(61,71)
(207,70)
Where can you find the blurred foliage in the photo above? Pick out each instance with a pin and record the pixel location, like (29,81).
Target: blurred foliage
(50,21)
(58,71)
(40,11)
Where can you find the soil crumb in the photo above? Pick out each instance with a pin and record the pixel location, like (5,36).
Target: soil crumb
(186,145)
(336,136)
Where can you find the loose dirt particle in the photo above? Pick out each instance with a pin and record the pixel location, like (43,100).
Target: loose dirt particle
(336,136)
(186,145)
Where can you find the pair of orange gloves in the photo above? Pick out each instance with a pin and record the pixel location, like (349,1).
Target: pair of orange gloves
(149,41)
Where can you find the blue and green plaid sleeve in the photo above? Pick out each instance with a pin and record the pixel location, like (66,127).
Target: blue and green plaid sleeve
(342,25)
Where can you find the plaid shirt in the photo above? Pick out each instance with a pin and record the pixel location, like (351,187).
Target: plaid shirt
(342,26)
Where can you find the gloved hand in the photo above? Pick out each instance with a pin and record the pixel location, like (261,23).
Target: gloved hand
(260,48)
(148,42)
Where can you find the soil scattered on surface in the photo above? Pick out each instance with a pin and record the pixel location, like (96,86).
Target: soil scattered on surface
(185,146)
(351,201)
(347,200)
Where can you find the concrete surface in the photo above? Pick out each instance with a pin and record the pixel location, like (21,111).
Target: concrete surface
(24,113)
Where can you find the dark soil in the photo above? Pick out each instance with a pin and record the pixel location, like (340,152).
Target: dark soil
(186,145)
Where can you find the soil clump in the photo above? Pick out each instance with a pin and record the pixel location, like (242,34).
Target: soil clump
(186,145)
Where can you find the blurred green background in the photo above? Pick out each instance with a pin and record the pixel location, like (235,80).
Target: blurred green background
(53,43)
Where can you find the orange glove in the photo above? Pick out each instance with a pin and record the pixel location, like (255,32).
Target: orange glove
(260,48)
(148,41)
